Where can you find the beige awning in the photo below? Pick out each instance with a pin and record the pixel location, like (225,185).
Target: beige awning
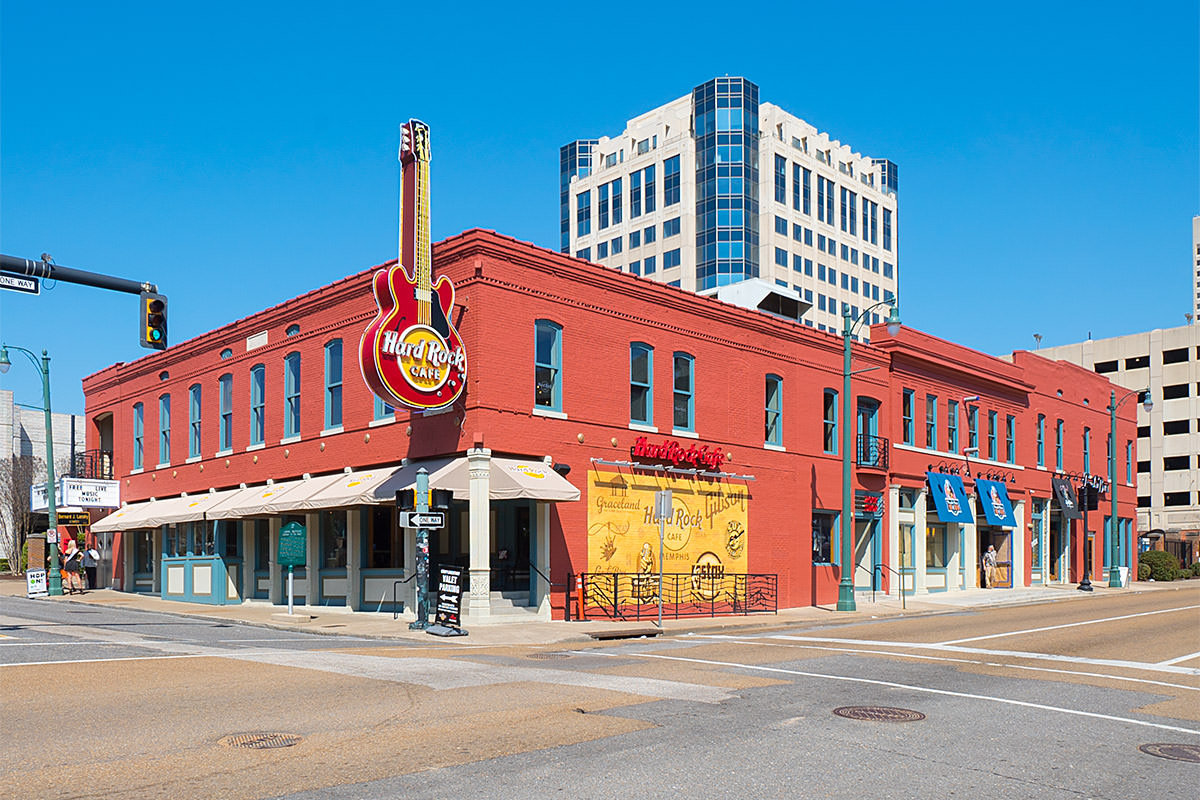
(125,518)
(253,501)
(511,479)
(153,513)
(366,487)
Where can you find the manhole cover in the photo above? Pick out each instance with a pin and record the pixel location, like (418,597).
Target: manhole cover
(544,656)
(879,713)
(261,741)
(1173,751)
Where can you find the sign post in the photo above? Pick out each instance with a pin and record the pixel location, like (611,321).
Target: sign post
(292,547)
(662,510)
(422,504)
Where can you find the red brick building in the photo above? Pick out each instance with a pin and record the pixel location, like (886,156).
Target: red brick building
(580,379)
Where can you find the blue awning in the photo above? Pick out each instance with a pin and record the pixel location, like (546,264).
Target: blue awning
(950,497)
(993,497)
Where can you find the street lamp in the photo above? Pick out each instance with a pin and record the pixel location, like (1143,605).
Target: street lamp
(1114,577)
(55,579)
(846,586)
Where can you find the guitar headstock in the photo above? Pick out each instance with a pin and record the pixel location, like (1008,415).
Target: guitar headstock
(414,141)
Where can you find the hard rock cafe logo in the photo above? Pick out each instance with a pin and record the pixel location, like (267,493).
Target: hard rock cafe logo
(671,452)
(952,504)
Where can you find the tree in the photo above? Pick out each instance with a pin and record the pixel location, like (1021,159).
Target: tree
(17,474)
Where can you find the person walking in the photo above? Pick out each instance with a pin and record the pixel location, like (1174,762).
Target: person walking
(989,567)
(91,560)
(72,565)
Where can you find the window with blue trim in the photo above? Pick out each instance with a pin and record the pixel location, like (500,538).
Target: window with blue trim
(194,421)
(383,410)
(991,435)
(825,531)
(1010,438)
(773,413)
(1129,462)
(973,429)
(258,403)
(164,430)
(225,412)
(1041,440)
(333,384)
(931,421)
(1087,450)
(684,392)
(291,395)
(1058,445)
(952,426)
(641,383)
(829,424)
(548,365)
(1109,453)
(907,432)
(138,434)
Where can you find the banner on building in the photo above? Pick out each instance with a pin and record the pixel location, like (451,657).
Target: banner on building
(706,535)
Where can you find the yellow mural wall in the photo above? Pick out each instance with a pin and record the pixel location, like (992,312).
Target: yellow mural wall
(706,534)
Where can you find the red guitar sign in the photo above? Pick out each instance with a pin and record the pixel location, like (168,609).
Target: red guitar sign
(411,353)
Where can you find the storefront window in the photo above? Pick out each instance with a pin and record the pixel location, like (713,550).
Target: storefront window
(385,544)
(906,544)
(935,545)
(908,498)
(824,528)
(143,555)
(333,539)
(231,537)
(262,544)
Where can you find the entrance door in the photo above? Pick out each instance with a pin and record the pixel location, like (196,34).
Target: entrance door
(868,428)
(509,556)
(866,554)
(1058,553)
(1002,541)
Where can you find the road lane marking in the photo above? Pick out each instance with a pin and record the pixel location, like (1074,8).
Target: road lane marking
(910,687)
(102,660)
(976,662)
(1069,625)
(439,674)
(1171,661)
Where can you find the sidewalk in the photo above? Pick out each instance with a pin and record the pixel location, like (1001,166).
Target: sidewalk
(341,622)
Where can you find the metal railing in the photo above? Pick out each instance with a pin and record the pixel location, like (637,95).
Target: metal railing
(634,596)
(899,582)
(97,464)
(872,452)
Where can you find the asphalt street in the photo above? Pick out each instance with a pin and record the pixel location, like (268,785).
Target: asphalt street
(1045,700)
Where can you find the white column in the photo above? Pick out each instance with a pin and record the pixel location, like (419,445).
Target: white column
(971,548)
(156,542)
(920,585)
(542,555)
(275,593)
(312,558)
(354,556)
(1019,541)
(246,526)
(479,463)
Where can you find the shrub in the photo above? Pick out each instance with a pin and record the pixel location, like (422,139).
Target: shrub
(1195,569)
(1143,571)
(1164,566)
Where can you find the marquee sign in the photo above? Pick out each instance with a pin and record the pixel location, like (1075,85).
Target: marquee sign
(411,354)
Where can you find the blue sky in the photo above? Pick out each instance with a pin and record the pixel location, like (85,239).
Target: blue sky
(239,154)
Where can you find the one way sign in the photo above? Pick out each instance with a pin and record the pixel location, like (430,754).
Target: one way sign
(422,519)
(19,283)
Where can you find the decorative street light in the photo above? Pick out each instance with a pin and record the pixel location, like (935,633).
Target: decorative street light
(846,586)
(55,579)
(1114,577)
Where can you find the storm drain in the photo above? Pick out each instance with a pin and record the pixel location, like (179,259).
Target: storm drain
(547,656)
(1173,751)
(879,713)
(261,741)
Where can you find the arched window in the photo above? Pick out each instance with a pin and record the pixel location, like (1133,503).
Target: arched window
(194,421)
(258,390)
(291,395)
(225,412)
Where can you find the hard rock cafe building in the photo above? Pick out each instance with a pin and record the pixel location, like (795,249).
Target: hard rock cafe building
(584,393)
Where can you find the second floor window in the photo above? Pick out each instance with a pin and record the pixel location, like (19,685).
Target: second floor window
(907,434)
(1058,445)
(194,421)
(383,410)
(1041,440)
(258,403)
(291,395)
(164,430)
(1010,438)
(952,426)
(547,365)
(829,432)
(139,418)
(333,384)
(225,416)
(1087,450)
(684,397)
(774,411)
(641,386)
(992,435)
(931,409)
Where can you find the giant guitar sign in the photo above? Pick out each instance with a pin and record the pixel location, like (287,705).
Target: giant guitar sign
(411,354)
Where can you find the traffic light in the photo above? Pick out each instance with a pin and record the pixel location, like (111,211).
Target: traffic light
(153,321)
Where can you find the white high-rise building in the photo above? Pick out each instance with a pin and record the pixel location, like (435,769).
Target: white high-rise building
(1195,270)
(715,189)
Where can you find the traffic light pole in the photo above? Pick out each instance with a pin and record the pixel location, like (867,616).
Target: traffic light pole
(49,271)
(421,505)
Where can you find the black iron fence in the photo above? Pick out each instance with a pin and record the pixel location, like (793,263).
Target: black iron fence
(872,452)
(634,596)
(96,464)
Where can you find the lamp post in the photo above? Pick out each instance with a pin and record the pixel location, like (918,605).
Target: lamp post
(1114,577)
(55,579)
(846,586)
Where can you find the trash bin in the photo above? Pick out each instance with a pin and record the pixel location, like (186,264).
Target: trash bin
(1123,574)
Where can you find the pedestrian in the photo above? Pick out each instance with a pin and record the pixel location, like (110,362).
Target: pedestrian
(72,564)
(91,559)
(989,567)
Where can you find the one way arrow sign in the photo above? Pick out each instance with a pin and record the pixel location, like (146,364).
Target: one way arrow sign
(422,519)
